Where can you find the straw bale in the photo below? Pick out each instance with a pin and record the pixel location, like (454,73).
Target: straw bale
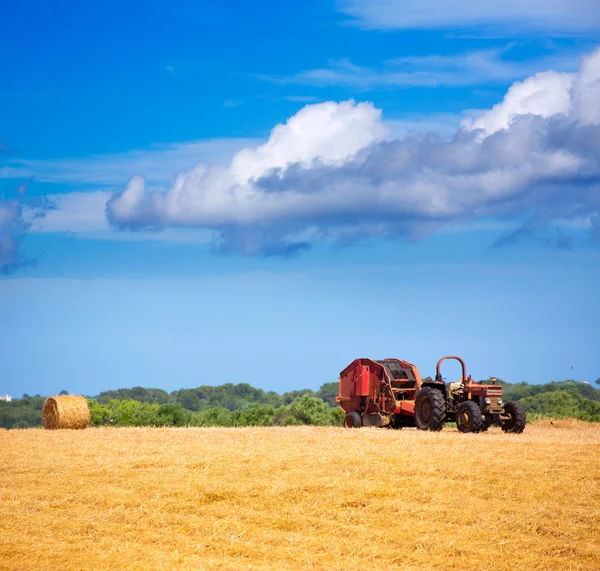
(66,411)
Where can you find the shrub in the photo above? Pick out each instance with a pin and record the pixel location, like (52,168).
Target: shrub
(307,410)
(99,413)
(217,416)
(173,415)
(260,415)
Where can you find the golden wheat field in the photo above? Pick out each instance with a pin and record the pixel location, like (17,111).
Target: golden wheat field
(300,498)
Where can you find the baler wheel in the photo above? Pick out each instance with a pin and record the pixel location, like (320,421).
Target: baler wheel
(352,420)
(518,417)
(468,417)
(430,410)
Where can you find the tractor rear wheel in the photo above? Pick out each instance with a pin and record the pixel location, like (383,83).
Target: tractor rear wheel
(518,418)
(352,420)
(430,409)
(468,417)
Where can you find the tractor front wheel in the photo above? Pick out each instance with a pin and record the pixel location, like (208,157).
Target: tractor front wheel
(430,410)
(352,420)
(468,417)
(518,418)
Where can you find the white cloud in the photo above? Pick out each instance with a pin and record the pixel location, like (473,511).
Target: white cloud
(333,132)
(511,17)
(332,172)
(83,213)
(328,132)
(338,171)
(478,67)
(545,94)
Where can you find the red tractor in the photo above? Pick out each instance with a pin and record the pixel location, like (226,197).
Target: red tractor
(391,393)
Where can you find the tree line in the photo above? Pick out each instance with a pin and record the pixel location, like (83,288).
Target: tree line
(243,405)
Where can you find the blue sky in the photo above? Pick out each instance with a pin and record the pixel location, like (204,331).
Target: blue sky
(262,192)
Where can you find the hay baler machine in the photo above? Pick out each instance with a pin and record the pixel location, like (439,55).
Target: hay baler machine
(379,393)
(391,393)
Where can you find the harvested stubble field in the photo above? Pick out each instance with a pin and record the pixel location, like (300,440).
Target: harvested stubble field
(298,498)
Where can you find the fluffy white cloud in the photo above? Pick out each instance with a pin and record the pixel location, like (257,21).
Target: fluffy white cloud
(545,94)
(333,132)
(327,133)
(332,171)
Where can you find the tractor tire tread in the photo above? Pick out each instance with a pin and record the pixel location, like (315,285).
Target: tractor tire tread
(519,418)
(438,409)
(475,414)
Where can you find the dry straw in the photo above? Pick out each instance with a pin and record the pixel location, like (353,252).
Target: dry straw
(66,411)
(301,499)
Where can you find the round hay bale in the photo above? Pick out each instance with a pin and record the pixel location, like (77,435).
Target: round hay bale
(66,411)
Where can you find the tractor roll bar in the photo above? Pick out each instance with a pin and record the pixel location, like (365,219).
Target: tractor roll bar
(438,374)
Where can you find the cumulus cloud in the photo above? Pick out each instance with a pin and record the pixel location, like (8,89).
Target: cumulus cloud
(327,134)
(548,94)
(545,94)
(334,172)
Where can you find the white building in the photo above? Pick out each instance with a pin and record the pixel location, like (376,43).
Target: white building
(7,398)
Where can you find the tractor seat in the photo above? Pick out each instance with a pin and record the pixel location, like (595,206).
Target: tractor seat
(455,387)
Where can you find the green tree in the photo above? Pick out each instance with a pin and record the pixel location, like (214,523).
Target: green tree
(259,415)
(190,400)
(243,405)
(217,416)
(173,414)
(328,392)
